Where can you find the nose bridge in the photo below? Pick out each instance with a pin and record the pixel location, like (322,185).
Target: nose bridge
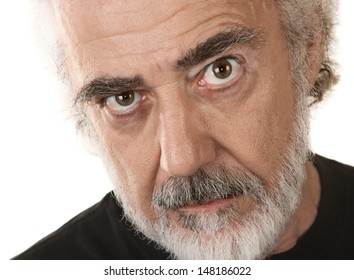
(185,145)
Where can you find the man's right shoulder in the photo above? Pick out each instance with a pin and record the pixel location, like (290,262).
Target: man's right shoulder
(100,232)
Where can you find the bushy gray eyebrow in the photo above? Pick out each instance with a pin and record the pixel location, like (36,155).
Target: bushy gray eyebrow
(105,86)
(235,35)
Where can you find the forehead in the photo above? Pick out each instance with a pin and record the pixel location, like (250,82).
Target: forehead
(98,32)
(104,18)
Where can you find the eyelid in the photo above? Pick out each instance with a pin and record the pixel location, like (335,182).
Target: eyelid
(213,91)
(208,74)
(202,67)
(130,110)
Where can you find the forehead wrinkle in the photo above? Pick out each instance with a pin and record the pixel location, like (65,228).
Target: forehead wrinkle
(152,26)
(146,28)
(231,35)
(227,19)
(160,39)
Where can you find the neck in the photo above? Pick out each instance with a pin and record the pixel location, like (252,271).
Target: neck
(306,213)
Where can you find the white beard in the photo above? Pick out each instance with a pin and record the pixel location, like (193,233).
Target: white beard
(226,234)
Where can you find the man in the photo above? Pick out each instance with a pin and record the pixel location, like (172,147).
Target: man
(199,110)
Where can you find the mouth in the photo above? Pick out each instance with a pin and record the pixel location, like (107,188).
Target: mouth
(208,205)
(202,191)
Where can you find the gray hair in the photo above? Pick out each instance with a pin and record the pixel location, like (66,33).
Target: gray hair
(301,20)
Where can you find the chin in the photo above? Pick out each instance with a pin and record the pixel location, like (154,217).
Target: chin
(203,216)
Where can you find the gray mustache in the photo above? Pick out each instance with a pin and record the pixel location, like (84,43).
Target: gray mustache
(205,186)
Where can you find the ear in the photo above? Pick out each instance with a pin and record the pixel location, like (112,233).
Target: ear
(315,48)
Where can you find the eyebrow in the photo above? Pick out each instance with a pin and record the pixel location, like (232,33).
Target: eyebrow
(106,86)
(236,35)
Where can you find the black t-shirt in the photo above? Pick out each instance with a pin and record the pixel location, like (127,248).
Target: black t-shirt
(101,232)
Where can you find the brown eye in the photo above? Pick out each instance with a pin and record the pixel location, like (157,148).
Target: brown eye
(222,71)
(222,68)
(126,98)
(123,102)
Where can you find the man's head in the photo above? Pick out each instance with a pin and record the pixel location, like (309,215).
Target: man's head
(200,110)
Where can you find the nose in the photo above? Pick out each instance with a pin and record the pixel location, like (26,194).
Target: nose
(185,142)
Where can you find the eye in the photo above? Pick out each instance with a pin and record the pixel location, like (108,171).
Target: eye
(123,103)
(221,71)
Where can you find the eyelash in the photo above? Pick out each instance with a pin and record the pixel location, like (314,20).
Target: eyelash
(203,89)
(240,60)
(123,115)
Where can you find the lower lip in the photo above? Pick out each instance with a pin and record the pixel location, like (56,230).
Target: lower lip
(208,206)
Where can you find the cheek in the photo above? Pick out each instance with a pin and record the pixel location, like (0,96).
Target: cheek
(132,160)
(256,133)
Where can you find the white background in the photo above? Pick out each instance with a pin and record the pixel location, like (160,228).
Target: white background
(46,177)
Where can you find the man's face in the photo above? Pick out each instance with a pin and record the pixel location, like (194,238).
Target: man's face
(176,87)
